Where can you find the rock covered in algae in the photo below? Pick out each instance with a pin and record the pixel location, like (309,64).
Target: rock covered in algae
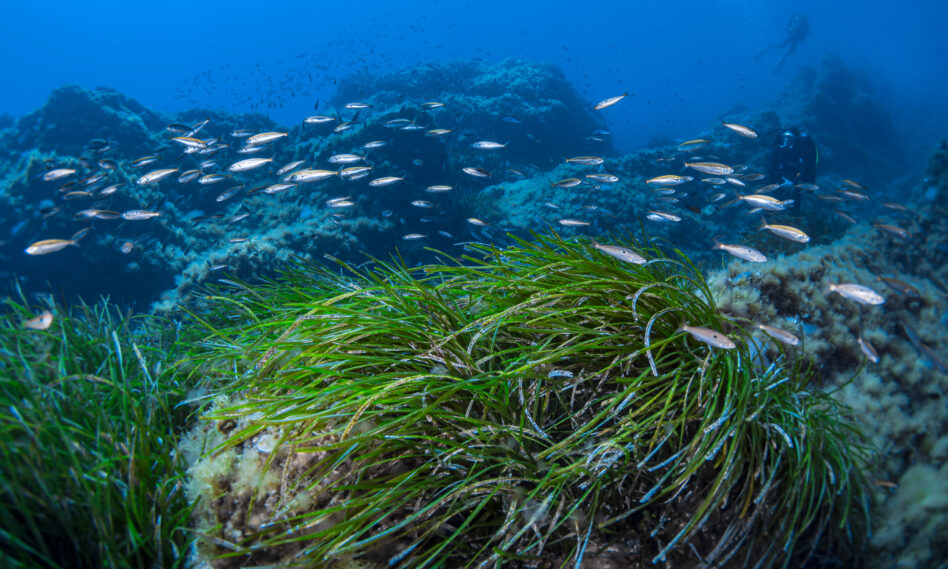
(428,406)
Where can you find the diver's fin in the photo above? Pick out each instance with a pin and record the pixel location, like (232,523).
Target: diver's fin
(760,54)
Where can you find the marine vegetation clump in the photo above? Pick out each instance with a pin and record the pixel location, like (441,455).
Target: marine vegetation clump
(537,405)
(89,475)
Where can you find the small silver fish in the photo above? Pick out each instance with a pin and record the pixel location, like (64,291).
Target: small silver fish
(778,334)
(786,231)
(867,349)
(476,171)
(668,180)
(248,164)
(740,129)
(566,183)
(709,336)
(345,158)
(139,214)
(155,176)
(57,174)
(277,188)
(742,252)
(251,149)
(856,292)
(303,176)
(229,193)
(488,145)
(662,216)
(604,178)
(319,119)
(621,253)
(585,160)
(47,246)
(211,179)
(385,181)
(264,138)
(189,176)
(713,168)
(892,230)
(41,322)
(290,167)
(609,102)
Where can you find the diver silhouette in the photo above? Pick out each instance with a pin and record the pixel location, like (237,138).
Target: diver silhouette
(797,31)
(794,158)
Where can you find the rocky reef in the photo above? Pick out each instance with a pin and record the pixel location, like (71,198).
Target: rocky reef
(100,133)
(901,398)
(839,107)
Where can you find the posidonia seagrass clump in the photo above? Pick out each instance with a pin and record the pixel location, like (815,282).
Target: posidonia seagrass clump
(89,475)
(534,406)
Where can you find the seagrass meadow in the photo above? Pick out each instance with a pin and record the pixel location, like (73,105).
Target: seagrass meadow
(89,474)
(533,406)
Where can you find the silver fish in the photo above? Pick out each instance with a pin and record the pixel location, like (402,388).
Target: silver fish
(742,252)
(249,164)
(264,138)
(786,231)
(155,176)
(621,253)
(345,158)
(304,176)
(488,145)
(318,119)
(139,214)
(713,168)
(385,181)
(277,188)
(289,167)
(57,174)
(709,336)
(49,246)
(609,102)
(740,129)
(867,349)
(585,160)
(604,178)
(662,216)
(856,292)
(779,335)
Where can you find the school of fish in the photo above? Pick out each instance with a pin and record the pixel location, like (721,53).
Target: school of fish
(219,159)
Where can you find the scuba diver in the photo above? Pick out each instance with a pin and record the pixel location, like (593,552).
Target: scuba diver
(793,160)
(797,31)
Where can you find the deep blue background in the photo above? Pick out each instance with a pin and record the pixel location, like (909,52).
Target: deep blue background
(687,62)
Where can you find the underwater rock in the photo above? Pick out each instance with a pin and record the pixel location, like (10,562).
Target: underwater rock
(901,399)
(73,115)
(854,131)
(529,106)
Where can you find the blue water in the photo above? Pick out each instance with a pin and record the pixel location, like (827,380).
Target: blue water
(685,61)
